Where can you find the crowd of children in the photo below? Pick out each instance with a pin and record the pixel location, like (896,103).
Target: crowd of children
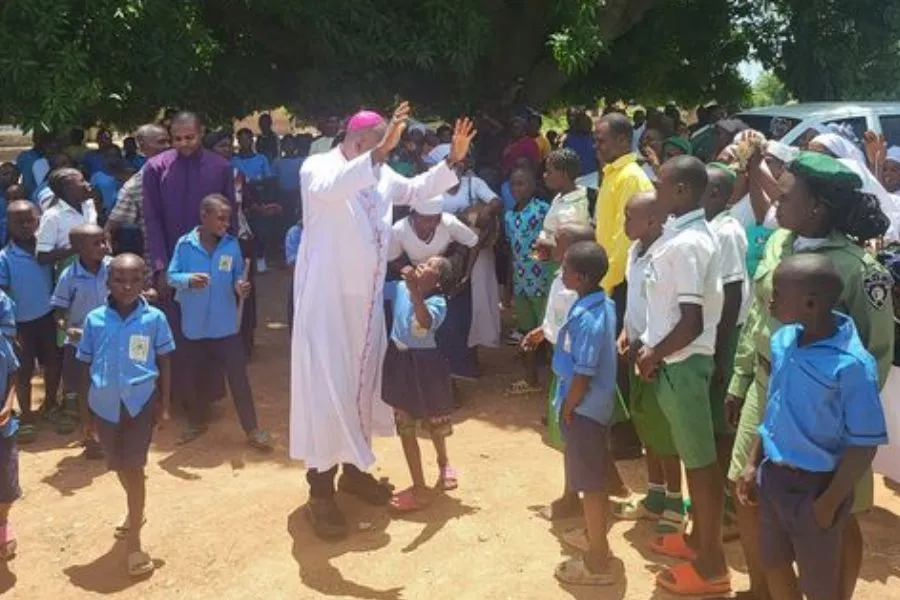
(684,324)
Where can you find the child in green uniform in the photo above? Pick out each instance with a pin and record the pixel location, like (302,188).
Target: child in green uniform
(663,503)
(822,210)
(684,305)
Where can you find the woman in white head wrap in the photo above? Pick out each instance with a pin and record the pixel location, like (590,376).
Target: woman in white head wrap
(427,232)
(890,171)
(851,156)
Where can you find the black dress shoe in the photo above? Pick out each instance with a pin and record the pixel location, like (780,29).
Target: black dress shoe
(365,487)
(327,520)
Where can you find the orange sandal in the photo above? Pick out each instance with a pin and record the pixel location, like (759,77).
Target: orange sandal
(684,580)
(673,545)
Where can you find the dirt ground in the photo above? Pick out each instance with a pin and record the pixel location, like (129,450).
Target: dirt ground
(226,523)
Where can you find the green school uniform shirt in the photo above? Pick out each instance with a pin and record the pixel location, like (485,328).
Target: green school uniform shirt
(866,299)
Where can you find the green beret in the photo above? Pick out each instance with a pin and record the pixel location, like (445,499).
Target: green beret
(725,168)
(824,169)
(680,143)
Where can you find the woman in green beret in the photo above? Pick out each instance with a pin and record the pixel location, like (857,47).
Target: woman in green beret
(675,146)
(821,210)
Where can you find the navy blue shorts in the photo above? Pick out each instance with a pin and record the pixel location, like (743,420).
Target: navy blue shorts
(127,442)
(788,530)
(587,445)
(9,470)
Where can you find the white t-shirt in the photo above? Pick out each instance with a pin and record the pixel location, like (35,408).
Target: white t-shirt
(471,189)
(40,169)
(560,300)
(571,208)
(450,229)
(684,270)
(733,257)
(58,220)
(636,302)
(742,210)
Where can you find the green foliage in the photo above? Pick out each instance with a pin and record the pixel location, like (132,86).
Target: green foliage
(67,62)
(830,49)
(769,90)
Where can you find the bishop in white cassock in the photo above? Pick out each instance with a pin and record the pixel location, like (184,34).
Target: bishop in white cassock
(339,337)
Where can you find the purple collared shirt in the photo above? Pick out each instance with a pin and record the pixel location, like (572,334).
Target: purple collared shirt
(173,188)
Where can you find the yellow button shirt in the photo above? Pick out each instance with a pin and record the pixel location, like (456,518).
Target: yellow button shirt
(622,179)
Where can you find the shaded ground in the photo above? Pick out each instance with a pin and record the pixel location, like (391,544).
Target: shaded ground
(225,522)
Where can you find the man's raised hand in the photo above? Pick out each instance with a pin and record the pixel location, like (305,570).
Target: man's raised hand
(463,133)
(395,128)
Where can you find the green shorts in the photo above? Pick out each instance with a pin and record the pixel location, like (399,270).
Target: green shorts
(719,388)
(682,390)
(649,421)
(529,312)
(752,415)
(620,411)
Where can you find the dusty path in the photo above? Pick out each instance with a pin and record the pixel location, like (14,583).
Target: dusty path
(226,523)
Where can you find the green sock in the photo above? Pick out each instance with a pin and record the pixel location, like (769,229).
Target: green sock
(674,502)
(656,498)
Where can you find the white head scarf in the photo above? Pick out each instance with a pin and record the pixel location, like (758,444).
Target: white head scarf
(781,151)
(430,207)
(893,154)
(841,147)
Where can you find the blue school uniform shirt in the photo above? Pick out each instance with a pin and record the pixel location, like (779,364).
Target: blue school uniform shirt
(8,365)
(7,316)
(79,291)
(287,170)
(531,278)
(405,329)
(292,244)
(255,167)
(28,283)
(586,345)
(24,162)
(583,145)
(822,398)
(108,186)
(122,353)
(2,218)
(93,162)
(136,162)
(209,312)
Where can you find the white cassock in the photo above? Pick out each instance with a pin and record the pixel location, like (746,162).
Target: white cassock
(339,336)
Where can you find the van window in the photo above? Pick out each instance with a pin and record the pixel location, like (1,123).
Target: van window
(890,127)
(859,125)
(763,123)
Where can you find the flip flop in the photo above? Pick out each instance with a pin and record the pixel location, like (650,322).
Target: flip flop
(259,440)
(27,433)
(140,564)
(684,580)
(8,543)
(121,531)
(576,538)
(633,510)
(575,572)
(449,478)
(522,388)
(560,510)
(407,502)
(673,545)
(191,433)
(670,522)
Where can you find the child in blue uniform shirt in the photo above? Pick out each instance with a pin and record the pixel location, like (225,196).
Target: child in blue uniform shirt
(124,347)
(416,378)
(822,425)
(584,361)
(29,284)
(81,288)
(9,424)
(208,274)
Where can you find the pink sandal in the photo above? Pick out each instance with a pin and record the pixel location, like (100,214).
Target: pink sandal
(8,542)
(407,502)
(449,478)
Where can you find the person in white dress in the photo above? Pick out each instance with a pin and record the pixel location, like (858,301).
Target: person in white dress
(430,232)
(474,197)
(339,338)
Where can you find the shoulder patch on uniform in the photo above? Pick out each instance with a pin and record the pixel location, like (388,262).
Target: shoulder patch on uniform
(877,286)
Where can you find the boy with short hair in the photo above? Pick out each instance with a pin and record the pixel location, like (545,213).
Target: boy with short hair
(822,425)
(570,205)
(584,360)
(126,386)
(9,424)
(644,219)
(684,306)
(29,285)
(531,278)
(80,289)
(208,273)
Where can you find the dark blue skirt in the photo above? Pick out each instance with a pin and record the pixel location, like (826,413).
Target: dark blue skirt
(453,335)
(417,381)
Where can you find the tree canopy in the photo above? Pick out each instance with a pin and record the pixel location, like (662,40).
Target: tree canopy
(68,62)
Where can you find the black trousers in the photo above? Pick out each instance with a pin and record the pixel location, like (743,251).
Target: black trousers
(37,339)
(321,483)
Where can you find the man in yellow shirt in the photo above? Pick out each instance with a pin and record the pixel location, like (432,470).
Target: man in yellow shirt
(622,179)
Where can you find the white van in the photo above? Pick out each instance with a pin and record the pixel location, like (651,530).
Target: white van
(880,117)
